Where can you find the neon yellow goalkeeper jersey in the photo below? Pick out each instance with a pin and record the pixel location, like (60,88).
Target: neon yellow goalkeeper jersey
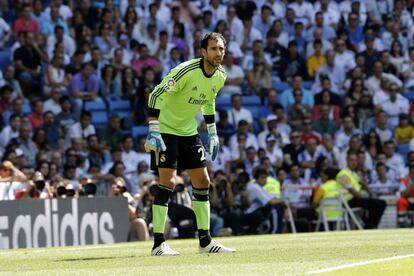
(182,93)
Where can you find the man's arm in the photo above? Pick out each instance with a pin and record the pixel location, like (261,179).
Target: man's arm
(347,184)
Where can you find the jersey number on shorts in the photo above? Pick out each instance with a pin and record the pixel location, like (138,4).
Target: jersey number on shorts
(203,154)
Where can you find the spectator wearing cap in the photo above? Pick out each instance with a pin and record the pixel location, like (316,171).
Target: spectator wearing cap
(271,128)
(273,151)
(235,77)
(287,98)
(10,131)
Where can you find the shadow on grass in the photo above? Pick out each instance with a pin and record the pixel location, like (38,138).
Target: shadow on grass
(93,259)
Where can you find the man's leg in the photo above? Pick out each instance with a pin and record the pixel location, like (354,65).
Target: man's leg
(160,205)
(201,204)
(375,208)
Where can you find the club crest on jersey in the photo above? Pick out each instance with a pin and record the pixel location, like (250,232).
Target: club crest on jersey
(169,84)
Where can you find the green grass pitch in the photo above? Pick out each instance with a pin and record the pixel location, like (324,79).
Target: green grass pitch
(290,254)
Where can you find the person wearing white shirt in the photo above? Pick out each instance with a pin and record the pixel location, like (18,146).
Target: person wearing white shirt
(343,136)
(64,11)
(5,32)
(68,42)
(373,83)
(326,45)
(264,21)
(354,145)
(235,25)
(329,10)
(344,57)
(335,72)
(278,8)
(307,158)
(238,112)
(233,46)
(235,77)
(218,10)
(345,8)
(82,129)
(394,159)
(329,150)
(250,35)
(10,131)
(130,157)
(273,151)
(303,11)
(395,105)
(250,138)
(52,104)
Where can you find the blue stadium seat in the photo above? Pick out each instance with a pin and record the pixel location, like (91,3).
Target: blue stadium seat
(99,118)
(251,100)
(26,108)
(94,106)
(4,58)
(403,149)
(222,101)
(280,86)
(122,113)
(308,84)
(119,105)
(409,95)
(139,131)
(255,111)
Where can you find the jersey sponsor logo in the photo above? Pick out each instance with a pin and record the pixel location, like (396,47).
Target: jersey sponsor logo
(169,84)
(200,101)
(162,158)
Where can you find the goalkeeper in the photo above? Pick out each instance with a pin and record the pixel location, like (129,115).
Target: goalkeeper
(174,142)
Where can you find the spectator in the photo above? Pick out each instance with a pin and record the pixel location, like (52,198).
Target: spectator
(395,105)
(111,134)
(404,132)
(353,191)
(84,86)
(348,130)
(295,64)
(8,78)
(259,79)
(394,159)
(25,22)
(263,205)
(130,157)
(383,185)
(27,145)
(325,124)
(52,104)
(273,151)
(316,60)
(9,132)
(145,60)
(36,117)
(82,129)
(235,76)
(53,131)
(109,87)
(292,150)
(382,127)
(55,77)
(238,112)
(224,128)
(48,25)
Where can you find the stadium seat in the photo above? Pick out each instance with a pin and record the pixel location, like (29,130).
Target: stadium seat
(280,86)
(99,118)
(255,111)
(251,100)
(119,105)
(26,108)
(403,149)
(222,101)
(308,84)
(409,95)
(139,131)
(4,58)
(94,106)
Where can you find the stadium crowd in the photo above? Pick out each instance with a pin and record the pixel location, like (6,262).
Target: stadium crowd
(311,86)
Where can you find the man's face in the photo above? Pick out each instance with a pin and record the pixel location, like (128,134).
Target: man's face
(49,119)
(86,121)
(237,102)
(128,144)
(389,149)
(214,53)
(27,11)
(261,180)
(352,161)
(15,123)
(87,71)
(297,82)
(294,172)
(115,123)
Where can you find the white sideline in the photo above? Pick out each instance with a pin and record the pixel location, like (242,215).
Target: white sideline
(71,249)
(373,261)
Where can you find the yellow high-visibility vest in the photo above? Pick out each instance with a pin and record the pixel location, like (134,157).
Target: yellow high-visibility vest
(352,177)
(272,186)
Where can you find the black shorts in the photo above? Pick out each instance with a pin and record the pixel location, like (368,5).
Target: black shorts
(183,152)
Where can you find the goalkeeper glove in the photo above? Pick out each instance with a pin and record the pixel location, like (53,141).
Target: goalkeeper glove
(154,140)
(213,141)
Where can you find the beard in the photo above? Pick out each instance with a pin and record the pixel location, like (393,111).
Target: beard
(214,63)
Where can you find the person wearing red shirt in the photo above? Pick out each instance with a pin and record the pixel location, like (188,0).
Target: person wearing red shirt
(36,117)
(308,133)
(406,202)
(25,22)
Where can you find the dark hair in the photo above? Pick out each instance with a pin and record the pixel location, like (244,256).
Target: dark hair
(212,36)
(86,113)
(259,171)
